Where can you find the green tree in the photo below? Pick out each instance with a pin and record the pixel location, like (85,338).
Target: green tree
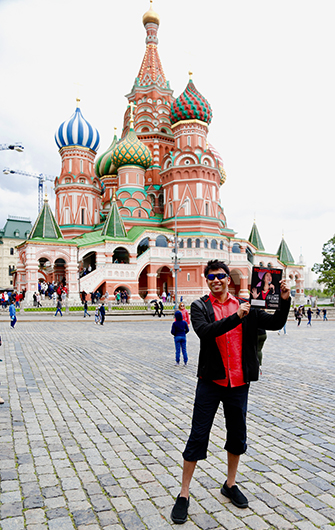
(326,269)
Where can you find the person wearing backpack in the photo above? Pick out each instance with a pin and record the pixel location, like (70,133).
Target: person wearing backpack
(228,361)
(179,329)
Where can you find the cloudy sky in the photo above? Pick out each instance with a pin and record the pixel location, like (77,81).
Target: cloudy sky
(265,66)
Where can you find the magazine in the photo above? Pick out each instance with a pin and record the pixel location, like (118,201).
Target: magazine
(265,287)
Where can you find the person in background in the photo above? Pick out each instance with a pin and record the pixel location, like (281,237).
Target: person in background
(185,313)
(85,309)
(309,316)
(179,330)
(161,309)
(59,307)
(12,314)
(102,314)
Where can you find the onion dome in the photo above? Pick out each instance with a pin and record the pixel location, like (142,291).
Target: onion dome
(151,16)
(104,165)
(131,152)
(218,157)
(191,105)
(77,131)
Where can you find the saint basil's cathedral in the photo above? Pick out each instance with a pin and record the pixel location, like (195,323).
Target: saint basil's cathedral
(116,213)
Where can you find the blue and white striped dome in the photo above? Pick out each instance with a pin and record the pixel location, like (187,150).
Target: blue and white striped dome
(77,131)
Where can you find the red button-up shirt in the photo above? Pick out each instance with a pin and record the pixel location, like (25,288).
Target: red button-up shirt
(230,343)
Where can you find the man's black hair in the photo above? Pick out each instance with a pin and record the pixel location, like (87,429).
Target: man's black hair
(215,265)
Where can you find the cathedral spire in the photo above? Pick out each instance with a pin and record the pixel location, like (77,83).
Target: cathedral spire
(151,71)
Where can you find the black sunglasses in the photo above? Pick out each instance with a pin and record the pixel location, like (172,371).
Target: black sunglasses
(219,276)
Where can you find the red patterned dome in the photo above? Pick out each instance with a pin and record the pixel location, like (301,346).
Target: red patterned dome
(191,105)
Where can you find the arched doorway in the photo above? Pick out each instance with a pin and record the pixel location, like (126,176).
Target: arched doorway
(164,280)
(143,283)
(59,271)
(124,292)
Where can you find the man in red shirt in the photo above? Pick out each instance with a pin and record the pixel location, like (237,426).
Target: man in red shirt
(227,363)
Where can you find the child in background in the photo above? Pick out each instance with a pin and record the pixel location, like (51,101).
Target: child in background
(179,330)
(97,315)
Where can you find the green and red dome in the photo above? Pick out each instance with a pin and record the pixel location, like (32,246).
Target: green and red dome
(191,105)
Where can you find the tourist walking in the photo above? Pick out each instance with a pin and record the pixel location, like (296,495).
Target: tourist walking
(299,316)
(97,315)
(161,309)
(102,314)
(12,314)
(225,371)
(309,316)
(324,311)
(156,306)
(59,307)
(85,309)
(179,330)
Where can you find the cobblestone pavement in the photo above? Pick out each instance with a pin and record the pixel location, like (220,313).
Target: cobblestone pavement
(95,420)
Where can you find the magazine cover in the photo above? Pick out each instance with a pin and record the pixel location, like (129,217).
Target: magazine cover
(265,288)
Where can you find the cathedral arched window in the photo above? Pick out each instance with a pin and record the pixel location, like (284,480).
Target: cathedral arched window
(214,244)
(236,249)
(206,243)
(181,243)
(189,243)
(221,245)
(161,241)
(188,140)
(206,209)
(197,243)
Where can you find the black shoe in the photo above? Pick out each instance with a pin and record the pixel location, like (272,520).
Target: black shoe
(179,511)
(235,495)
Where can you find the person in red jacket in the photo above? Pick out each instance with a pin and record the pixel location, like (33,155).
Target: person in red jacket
(227,363)
(185,313)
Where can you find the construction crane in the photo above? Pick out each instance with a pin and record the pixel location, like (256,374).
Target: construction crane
(41,178)
(14,147)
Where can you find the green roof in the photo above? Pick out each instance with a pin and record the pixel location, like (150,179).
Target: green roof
(46,226)
(284,253)
(16,227)
(114,226)
(255,238)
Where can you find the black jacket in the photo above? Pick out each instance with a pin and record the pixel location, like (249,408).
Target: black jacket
(210,365)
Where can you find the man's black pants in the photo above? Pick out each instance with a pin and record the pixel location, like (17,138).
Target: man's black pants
(207,399)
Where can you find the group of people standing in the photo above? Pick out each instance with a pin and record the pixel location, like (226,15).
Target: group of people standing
(7,297)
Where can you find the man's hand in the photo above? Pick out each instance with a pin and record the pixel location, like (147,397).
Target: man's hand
(285,291)
(243,310)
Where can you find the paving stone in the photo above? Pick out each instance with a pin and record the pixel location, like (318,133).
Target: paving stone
(107,518)
(100,503)
(57,513)
(11,509)
(35,501)
(15,523)
(131,521)
(61,523)
(204,521)
(83,517)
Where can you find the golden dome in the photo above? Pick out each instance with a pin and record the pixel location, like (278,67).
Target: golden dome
(151,16)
